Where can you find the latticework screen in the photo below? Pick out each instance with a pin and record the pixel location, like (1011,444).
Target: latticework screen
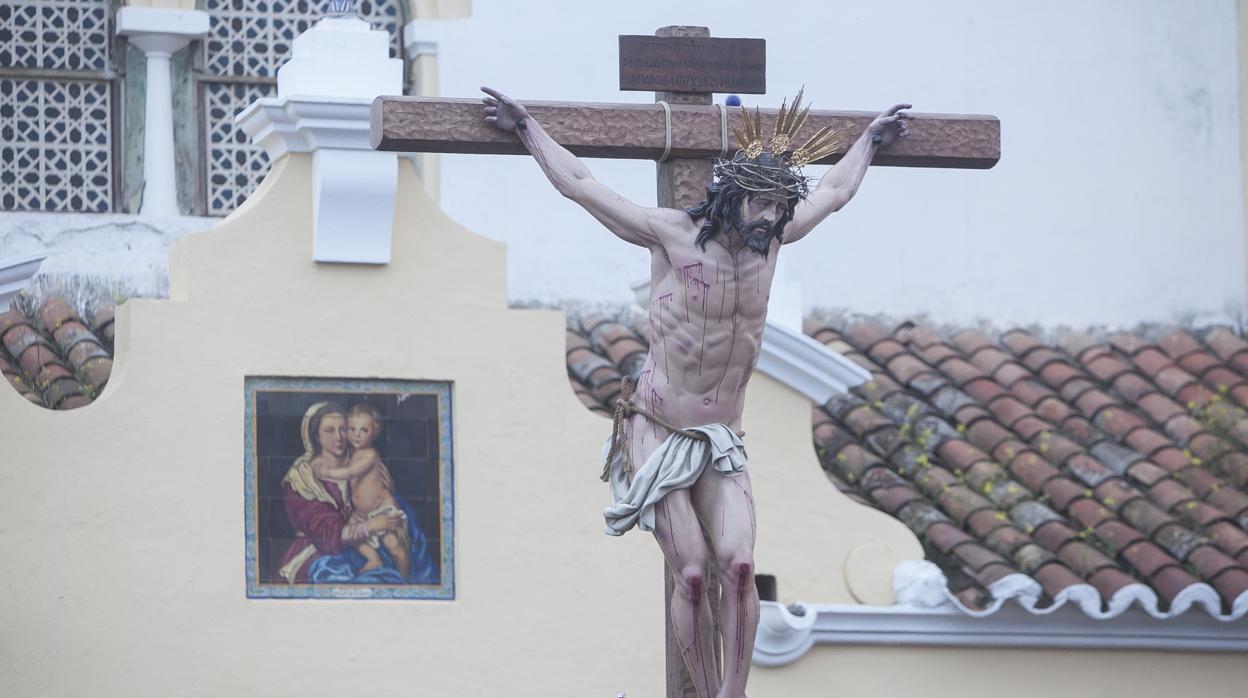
(57,122)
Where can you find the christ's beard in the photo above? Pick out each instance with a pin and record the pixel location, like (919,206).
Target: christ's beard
(757,235)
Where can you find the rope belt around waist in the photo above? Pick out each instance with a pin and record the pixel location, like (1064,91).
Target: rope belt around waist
(624,408)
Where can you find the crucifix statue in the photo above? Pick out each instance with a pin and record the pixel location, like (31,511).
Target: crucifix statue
(676,462)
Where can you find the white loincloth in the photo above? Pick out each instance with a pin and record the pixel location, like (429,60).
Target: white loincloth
(676,463)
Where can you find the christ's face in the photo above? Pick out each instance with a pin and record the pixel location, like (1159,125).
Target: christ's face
(332,435)
(762,207)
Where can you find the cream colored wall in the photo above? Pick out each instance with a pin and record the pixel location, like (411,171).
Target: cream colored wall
(124,525)
(822,546)
(891,672)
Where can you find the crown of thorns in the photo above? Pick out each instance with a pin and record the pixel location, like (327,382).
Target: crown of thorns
(781,173)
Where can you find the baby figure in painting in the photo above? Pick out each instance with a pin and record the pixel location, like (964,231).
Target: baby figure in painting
(371,488)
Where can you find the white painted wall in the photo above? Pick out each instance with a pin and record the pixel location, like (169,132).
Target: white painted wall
(1117,200)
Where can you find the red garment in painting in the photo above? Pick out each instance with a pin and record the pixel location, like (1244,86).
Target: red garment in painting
(316,523)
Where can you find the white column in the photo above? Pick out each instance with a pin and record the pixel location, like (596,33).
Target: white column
(159,33)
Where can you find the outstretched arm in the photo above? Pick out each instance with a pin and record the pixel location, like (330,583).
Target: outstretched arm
(629,222)
(841,182)
(357,466)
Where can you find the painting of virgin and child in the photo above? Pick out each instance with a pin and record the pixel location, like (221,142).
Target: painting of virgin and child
(348,489)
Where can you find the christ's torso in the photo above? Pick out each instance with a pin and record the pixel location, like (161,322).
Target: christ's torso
(706,314)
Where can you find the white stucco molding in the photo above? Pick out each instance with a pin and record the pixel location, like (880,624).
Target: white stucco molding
(805,365)
(305,124)
(926,613)
(15,273)
(324,93)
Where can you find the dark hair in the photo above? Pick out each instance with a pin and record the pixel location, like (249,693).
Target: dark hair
(722,213)
(370,410)
(314,424)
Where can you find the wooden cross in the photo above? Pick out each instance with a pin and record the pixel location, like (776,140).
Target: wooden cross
(697,135)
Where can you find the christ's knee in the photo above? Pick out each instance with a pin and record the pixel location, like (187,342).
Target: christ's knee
(738,572)
(691,583)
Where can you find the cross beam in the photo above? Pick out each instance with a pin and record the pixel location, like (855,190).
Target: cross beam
(636,131)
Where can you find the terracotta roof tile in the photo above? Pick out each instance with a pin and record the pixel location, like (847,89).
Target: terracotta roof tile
(1146,516)
(1226,344)
(906,367)
(1147,558)
(1107,367)
(1054,534)
(1170,493)
(865,334)
(1117,535)
(1145,441)
(977,557)
(1038,357)
(1170,581)
(1010,372)
(1147,473)
(1172,380)
(1061,491)
(1089,513)
(1228,536)
(1133,387)
(1177,540)
(1083,558)
(1199,363)
(1109,580)
(970,341)
(935,353)
(1211,562)
(1055,577)
(1030,391)
(984,389)
(1231,583)
(993,360)
(1053,409)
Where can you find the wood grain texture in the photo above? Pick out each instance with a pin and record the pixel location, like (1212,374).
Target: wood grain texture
(635,131)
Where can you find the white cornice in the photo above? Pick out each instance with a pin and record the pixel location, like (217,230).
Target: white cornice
(302,124)
(928,614)
(805,365)
(140,21)
(15,273)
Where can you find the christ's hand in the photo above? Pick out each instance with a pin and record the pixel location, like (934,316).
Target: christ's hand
(890,125)
(501,111)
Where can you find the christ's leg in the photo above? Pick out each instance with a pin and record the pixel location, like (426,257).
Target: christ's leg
(726,507)
(680,537)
